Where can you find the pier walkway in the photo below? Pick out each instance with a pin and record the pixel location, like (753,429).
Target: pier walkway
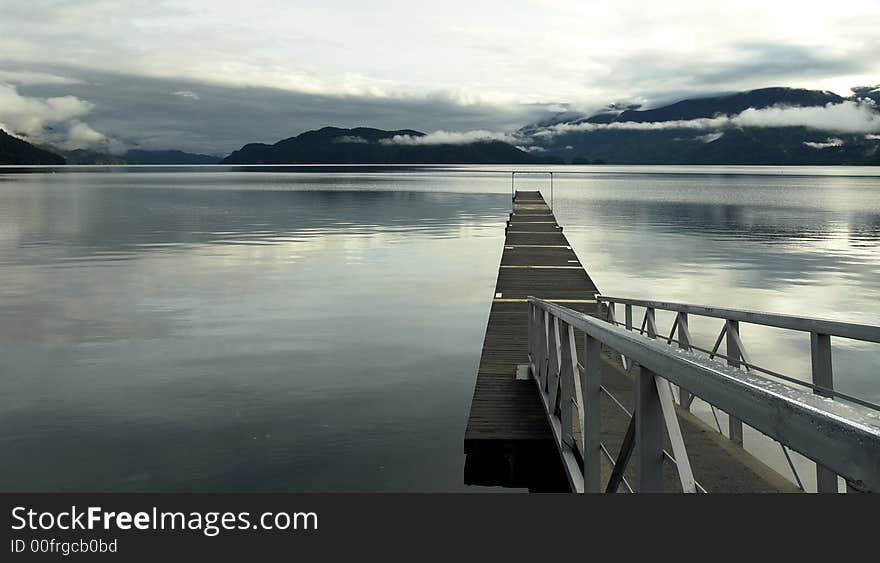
(537,260)
(559,376)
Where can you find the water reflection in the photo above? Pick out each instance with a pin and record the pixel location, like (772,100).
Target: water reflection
(320,330)
(92,221)
(200,339)
(805,246)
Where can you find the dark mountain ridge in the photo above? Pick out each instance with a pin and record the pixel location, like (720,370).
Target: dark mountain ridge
(137,156)
(596,138)
(730,104)
(574,137)
(140,156)
(366,145)
(14,150)
(17,151)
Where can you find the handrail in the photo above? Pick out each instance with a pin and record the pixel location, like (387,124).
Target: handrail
(843,437)
(820,330)
(856,331)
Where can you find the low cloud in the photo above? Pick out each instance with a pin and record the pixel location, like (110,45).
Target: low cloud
(709,137)
(54,120)
(29,78)
(81,135)
(703,123)
(535,148)
(186,94)
(450,138)
(827,144)
(846,117)
(30,116)
(351,139)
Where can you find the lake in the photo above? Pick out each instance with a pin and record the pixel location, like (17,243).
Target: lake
(311,329)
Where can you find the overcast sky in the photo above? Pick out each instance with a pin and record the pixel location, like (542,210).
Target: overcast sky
(210,76)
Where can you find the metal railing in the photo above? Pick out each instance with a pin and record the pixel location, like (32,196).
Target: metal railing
(820,330)
(841,436)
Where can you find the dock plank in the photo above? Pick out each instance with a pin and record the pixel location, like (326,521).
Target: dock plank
(504,408)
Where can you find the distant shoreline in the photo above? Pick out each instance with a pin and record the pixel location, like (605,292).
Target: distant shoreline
(793,170)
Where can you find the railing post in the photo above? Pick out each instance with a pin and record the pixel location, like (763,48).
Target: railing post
(649,434)
(512,193)
(529,327)
(734,425)
(684,342)
(554,374)
(566,388)
(591,380)
(820,353)
(612,318)
(532,341)
(629,316)
(545,355)
(650,322)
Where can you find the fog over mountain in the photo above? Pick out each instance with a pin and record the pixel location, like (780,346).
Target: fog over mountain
(764,126)
(364,145)
(110,112)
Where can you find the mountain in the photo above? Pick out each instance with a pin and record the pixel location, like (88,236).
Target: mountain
(90,157)
(730,104)
(364,145)
(85,156)
(730,128)
(82,156)
(167,157)
(16,151)
(658,136)
(872,92)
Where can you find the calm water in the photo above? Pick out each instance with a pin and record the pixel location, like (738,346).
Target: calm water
(222,330)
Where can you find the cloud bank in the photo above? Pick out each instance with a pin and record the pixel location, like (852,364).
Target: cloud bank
(29,77)
(846,117)
(830,142)
(351,140)
(54,120)
(211,75)
(450,138)
(30,116)
(495,56)
(186,94)
(157,114)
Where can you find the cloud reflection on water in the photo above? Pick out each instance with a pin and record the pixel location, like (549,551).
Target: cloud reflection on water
(296,320)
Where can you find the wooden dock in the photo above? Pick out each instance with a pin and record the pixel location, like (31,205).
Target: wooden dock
(537,261)
(508,440)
